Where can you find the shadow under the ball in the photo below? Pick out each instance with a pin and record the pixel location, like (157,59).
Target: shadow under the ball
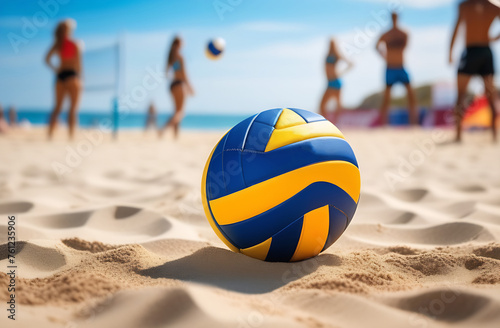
(236,272)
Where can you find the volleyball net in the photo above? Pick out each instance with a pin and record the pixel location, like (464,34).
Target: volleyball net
(103,76)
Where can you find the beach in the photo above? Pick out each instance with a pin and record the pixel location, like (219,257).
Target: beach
(113,234)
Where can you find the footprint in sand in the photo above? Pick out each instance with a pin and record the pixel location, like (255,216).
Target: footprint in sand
(35,260)
(116,219)
(446,305)
(15,207)
(410,195)
(452,233)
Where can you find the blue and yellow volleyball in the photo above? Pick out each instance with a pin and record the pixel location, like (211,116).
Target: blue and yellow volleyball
(215,48)
(281,186)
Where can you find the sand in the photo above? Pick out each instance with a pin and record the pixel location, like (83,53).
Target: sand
(120,239)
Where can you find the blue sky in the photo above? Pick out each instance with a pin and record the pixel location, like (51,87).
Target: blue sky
(274,55)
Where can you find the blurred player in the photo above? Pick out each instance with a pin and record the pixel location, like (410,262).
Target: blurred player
(4,126)
(12,117)
(179,87)
(68,74)
(395,42)
(477,59)
(333,90)
(151,118)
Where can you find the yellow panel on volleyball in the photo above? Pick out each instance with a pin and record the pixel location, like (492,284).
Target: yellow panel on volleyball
(314,234)
(293,134)
(258,251)
(289,118)
(212,56)
(257,199)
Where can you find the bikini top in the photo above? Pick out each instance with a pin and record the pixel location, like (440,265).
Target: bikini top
(68,49)
(176,65)
(331,59)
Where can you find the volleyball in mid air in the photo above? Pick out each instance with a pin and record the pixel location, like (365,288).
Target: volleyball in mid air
(281,186)
(215,48)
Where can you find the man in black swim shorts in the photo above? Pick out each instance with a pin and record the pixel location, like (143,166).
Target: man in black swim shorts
(477,59)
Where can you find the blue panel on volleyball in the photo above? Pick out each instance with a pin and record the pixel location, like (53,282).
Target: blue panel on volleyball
(213,49)
(238,134)
(295,156)
(269,117)
(258,136)
(216,186)
(338,224)
(284,242)
(308,116)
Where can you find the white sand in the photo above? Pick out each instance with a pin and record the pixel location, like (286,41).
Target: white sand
(122,240)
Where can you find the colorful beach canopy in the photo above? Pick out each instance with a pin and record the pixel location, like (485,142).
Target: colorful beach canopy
(478,115)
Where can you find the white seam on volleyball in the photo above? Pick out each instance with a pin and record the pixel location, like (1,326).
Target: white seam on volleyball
(347,219)
(222,159)
(264,152)
(340,211)
(246,150)
(248,130)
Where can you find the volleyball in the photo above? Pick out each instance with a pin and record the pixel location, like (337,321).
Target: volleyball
(281,186)
(215,48)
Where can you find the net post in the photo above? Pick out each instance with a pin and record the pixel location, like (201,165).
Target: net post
(118,86)
(115,118)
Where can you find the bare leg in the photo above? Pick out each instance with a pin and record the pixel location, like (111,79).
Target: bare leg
(412,105)
(74,89)
(179,110)
(59,90)
(324,102)
(491,94)
(337,95)
(385,105)
(176,126)
(462,83)
(175,120)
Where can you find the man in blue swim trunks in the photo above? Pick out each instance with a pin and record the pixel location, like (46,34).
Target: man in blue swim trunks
(477,16)
(391,47)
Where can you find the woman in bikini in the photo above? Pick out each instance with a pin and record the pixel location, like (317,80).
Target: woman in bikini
(179,87)
(68,74)
(334,87)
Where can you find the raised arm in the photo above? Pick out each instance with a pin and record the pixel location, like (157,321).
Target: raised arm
(455,32)
(48,58)
(378,46)
(496,38)
(406,40)
(349,63)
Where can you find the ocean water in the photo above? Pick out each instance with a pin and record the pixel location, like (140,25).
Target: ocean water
(89,119)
